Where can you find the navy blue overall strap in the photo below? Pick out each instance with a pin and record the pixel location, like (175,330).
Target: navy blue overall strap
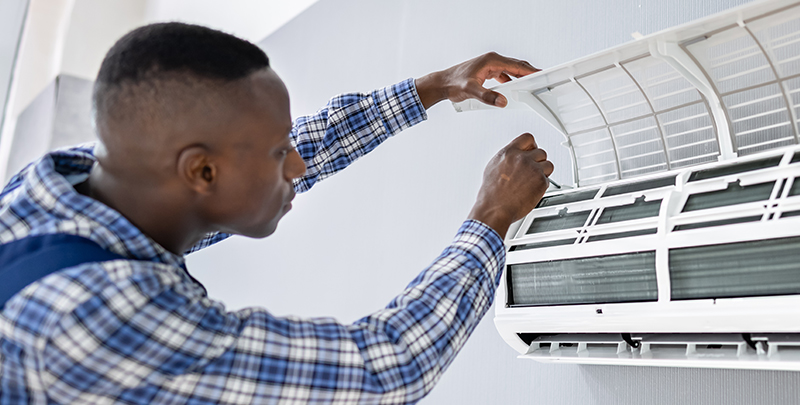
(29,259)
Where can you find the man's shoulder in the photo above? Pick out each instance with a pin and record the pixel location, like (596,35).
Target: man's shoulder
(91,292)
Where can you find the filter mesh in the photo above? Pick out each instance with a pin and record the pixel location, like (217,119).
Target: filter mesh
(617,95)
(573,106)
(781,41)
(639,186)
(735,168)
(795,190)
(566,198)
(540,245)
(722,222)
(733,60)
(759,119)
(664,87)
(793,93)
(620,235)
(617,278)
(765,267)
(734,194)
(640,148)
(597,161)
(638,210)
(565,220)
(690,135)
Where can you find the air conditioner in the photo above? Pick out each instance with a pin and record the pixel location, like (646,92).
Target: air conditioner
(678,243)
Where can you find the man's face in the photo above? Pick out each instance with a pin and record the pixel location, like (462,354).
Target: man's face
(258,163)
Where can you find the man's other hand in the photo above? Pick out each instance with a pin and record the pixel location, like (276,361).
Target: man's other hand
(513,183)
(465,80)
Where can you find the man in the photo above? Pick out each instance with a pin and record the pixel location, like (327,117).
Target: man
(196,144)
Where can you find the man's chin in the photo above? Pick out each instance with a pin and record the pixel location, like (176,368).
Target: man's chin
(261,232)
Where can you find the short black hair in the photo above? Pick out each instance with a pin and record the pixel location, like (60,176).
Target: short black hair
(158,53)
(179,47)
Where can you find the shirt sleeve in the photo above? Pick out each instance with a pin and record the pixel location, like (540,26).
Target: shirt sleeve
(352,125)
(348,127)
(151,342)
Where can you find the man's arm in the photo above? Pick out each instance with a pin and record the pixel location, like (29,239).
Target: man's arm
(151,338)
(167,345)
(352,125)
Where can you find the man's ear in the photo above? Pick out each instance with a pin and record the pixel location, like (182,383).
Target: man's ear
(197,170)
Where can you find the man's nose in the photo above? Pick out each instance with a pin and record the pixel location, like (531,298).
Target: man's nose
(295,165)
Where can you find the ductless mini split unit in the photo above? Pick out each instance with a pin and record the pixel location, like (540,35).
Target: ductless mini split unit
(678,243)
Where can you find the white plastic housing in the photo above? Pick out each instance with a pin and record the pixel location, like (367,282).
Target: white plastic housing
(703,118)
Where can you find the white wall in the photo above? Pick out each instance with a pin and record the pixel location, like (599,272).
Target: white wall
(249,19)
(12,18)
(72,37)
(357,239)
(96,24)
(37,65)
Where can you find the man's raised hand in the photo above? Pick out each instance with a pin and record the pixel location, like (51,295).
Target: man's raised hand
(465,80)
(513,183)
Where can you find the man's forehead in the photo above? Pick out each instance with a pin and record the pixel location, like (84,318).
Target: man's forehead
(266,82)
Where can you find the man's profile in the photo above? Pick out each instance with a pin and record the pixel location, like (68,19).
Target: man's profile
(196,143)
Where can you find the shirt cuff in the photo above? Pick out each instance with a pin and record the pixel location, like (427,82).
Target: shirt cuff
(484,245)
(399,106)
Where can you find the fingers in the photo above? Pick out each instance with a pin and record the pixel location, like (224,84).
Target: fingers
(509,66)
(503,78)
(539,155)
(485,95)
(547,167)
(524,142)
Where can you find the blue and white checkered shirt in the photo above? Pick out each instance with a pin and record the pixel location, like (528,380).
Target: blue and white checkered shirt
(142,331)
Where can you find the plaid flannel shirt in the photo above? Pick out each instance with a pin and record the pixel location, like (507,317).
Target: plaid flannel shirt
(143,331)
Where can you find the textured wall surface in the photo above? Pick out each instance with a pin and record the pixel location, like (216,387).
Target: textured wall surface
(356,239)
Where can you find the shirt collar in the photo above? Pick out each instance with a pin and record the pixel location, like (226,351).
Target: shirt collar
(49,186)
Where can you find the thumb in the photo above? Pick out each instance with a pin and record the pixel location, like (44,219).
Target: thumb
(487,96)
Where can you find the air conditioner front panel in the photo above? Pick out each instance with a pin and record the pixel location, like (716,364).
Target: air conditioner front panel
(681,228)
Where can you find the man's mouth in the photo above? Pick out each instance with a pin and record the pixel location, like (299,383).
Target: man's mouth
(288,204)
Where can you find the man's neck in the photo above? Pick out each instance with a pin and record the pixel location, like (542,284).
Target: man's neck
(148,210)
